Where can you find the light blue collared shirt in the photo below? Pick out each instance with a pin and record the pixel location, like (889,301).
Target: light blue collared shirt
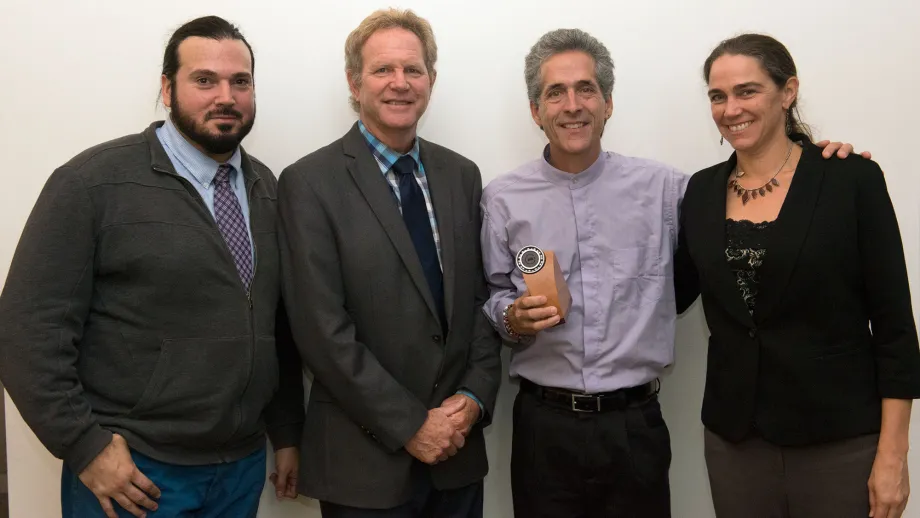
(199,169)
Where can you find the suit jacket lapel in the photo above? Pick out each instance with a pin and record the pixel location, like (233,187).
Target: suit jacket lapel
(440,177)
(716,269)
(375,189)
(789,232)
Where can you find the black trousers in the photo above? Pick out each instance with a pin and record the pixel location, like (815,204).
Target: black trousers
(585,465)
(426,502)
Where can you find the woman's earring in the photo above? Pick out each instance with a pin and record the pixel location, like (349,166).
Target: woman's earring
(721,140)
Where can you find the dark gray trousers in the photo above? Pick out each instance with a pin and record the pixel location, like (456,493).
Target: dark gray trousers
(756,479)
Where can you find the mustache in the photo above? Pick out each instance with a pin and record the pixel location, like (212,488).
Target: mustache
(224,112)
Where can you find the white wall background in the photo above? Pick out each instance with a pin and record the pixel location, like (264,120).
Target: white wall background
(79,73)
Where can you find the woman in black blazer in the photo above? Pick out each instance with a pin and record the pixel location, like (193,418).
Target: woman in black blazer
(813,356)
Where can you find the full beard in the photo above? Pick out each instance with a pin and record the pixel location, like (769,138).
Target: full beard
(225,142)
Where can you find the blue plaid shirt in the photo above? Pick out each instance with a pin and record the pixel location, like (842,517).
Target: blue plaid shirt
(386,157)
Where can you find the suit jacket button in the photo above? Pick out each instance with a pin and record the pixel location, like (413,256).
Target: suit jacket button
(752,333)
(436,338)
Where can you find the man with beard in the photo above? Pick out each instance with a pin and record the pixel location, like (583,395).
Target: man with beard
(140,314)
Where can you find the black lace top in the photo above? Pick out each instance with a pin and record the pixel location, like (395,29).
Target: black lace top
(745,251)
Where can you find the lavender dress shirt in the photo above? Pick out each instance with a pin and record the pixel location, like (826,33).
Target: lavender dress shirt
(613,228)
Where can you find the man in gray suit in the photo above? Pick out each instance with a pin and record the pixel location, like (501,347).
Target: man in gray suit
(383,279)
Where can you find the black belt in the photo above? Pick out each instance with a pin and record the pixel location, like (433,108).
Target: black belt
(592,403)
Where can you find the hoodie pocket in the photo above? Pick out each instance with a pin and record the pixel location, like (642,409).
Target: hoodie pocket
(195,384)
(263,380)
(260,385)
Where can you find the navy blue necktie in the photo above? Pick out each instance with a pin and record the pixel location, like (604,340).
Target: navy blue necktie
(418,222)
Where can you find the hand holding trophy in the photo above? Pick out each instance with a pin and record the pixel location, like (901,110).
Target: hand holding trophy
(543,276)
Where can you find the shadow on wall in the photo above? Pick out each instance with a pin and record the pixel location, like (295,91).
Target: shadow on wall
(4,496)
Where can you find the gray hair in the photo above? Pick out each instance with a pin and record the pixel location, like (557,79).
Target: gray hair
(565,40)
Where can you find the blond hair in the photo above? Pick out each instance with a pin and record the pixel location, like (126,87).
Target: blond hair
(387,19)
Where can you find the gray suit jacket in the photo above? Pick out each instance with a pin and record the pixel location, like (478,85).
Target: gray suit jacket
(366,325)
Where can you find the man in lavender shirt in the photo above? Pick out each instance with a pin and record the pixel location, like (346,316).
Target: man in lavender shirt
(589,438)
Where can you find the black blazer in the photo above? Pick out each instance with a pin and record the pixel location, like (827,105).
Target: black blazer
(366,324)
(806,368)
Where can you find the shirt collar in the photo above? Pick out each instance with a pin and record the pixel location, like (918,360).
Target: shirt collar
(573,180)
(202,167)
(385,156)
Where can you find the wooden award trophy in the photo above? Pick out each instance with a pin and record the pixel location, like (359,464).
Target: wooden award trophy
(543,276)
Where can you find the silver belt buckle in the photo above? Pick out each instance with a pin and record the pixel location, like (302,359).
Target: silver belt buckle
(596,399)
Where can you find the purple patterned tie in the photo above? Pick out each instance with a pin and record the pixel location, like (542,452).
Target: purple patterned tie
(232,225)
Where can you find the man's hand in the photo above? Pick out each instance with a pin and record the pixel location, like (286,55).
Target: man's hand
(112,475)
(843,150)
(527,316)
(437,439)
(287,467)
(465,416)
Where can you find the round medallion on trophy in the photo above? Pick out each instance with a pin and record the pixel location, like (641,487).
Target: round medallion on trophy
(530,259)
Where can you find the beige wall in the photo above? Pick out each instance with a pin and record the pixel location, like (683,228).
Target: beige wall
(79,73)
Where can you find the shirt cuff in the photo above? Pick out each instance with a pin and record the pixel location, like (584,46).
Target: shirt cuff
(285,436)
(498,322)
(467,393)
(87,448)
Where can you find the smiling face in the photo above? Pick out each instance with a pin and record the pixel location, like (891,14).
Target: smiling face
(394,86)
(748,107)
(572,110)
